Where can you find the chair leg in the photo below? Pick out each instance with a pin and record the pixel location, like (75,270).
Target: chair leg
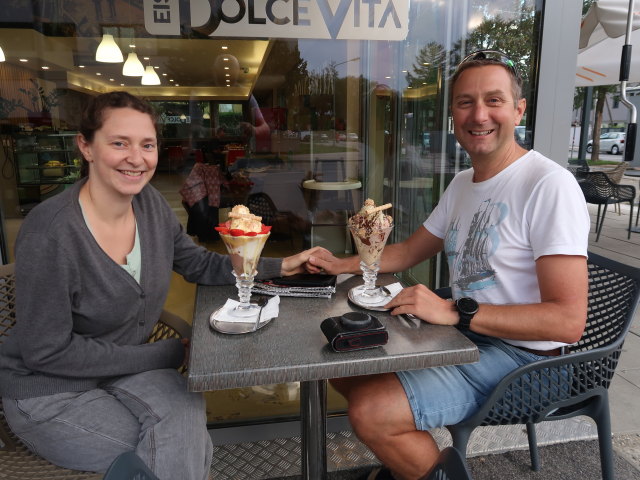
(460,435)
(600,414)
(637,214)
(630,220)
(599,227)
(533,447)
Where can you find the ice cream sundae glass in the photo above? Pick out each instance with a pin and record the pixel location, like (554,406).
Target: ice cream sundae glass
(244,235)
(370,228)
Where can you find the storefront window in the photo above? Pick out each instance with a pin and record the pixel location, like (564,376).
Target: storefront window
(313,105)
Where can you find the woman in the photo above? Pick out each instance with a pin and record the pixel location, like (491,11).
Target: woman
(79,383)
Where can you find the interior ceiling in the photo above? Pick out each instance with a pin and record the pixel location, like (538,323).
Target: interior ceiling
(188,62)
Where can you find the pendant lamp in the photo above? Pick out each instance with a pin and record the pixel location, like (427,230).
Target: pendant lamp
(133,67)
(108,50)
(150,76)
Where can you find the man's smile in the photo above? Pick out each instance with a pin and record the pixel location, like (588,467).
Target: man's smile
(480,133)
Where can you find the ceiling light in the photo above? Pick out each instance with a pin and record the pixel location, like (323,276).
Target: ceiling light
(2,57)
(133,67)
(108,50)
(150,76)
(224,47)
(24,60)
(44,67)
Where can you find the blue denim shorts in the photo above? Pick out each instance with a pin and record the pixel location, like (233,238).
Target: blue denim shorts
(447,395)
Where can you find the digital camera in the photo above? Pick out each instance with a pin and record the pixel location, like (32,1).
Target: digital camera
(354,331)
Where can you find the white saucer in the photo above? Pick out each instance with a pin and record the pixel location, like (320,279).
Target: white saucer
(378,306)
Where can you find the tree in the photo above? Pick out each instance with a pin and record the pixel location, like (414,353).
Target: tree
(600,96)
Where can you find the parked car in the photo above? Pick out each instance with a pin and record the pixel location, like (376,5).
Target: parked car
(612,142)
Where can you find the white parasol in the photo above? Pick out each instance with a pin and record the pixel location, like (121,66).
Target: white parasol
(602,35)
(607,35)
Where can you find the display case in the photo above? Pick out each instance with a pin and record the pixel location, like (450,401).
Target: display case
(45,164)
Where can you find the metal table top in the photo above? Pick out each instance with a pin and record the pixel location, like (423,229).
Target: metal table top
(293,348)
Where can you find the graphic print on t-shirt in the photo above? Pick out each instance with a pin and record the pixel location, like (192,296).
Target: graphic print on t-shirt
(470,266)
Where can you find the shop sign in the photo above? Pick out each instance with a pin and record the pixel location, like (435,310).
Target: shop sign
(168,119)
(326,19)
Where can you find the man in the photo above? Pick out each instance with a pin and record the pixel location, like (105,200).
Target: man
(514,229)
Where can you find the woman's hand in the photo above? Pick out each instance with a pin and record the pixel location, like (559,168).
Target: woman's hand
(299,263)
(424,304)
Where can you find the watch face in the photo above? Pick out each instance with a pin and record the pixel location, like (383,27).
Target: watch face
(467,305)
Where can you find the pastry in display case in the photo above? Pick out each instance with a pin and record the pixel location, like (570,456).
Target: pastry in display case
(45,164)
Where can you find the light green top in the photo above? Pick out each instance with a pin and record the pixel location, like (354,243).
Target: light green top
(134,257)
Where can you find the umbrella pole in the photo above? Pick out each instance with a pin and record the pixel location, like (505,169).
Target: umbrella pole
(625,67)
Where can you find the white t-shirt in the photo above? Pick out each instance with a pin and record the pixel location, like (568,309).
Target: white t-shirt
(495,230)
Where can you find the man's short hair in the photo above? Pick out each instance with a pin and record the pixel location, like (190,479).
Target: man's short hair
(483,58)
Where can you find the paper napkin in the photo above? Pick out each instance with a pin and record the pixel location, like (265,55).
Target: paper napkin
(270,310)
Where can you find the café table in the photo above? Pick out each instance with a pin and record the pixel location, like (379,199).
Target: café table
(292,348)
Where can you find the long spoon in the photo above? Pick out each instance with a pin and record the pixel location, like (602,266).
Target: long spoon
(262,301)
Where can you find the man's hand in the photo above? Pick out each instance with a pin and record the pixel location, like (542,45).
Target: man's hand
(299,263)
(424,304)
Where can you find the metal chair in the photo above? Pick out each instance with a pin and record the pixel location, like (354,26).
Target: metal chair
(573,384)
(451,465)
(129,466)
(16,461)
(598,189)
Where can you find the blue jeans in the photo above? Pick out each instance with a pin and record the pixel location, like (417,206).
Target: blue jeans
(151,413)
(447,395)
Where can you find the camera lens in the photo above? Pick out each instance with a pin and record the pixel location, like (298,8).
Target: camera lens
(355,320)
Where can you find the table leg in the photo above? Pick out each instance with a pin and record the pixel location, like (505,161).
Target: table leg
(313,419)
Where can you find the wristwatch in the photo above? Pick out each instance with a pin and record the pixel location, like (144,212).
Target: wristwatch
(467,307)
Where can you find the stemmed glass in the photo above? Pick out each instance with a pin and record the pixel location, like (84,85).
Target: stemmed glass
(370,246)
(245,252)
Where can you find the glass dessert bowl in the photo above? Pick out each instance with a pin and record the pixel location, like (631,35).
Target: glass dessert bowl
(370,229)
(244,236)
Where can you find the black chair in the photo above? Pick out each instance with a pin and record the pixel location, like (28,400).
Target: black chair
(579,171)
(262,205)
(600,190)
(16,460)
(451,465)
(129,466)
(573,384)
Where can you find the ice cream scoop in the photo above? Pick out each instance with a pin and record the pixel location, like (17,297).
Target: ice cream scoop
(244,235)
(370,228)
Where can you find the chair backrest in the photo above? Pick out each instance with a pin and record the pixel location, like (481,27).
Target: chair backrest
(261,204)
(7,300)
(128,466)
(615,174)
(329,170)
(597,188)
(614,290)
(449,466)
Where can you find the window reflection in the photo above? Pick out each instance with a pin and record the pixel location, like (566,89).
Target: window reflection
(372,114)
